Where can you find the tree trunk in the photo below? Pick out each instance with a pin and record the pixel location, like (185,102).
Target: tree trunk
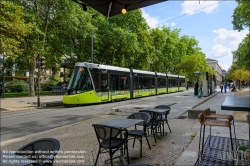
(31,79)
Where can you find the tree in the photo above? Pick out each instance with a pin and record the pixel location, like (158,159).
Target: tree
(192,63)
(241,15)
(243,52)
(240,74)
(13,29)
(42,14)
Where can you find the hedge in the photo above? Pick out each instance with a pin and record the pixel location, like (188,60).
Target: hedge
(25,94)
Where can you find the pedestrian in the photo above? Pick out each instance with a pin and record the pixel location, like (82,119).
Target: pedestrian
(221,87)
(233,88)
(225,87)
(187,86)
(196,86)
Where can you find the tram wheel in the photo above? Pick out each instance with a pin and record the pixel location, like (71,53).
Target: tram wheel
(68,106)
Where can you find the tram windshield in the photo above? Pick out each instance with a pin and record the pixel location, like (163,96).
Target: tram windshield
(80,81)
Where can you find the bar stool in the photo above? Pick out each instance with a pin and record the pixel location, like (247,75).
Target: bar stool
(230,118)
(208,122)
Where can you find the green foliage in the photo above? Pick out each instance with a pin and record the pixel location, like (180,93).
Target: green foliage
(16,86)
(123,40)
(12,28)
(241,15)
(45,85)
(243,52)
(242,147)
(240,74)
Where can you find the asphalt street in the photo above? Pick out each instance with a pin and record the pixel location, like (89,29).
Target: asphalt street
(22,123)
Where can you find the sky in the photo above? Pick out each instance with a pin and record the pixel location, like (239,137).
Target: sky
(209,22)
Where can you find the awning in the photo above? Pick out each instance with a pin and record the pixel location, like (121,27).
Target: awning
(111,8)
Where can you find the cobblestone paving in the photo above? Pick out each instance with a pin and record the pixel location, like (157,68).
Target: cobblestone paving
(80,137)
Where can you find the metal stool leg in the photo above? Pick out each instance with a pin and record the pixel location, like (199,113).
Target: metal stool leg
(168,126)
(199,142)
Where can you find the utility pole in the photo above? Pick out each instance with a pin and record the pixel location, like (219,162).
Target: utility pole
(40,65)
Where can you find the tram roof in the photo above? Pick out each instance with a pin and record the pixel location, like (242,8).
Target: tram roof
(172,75)
(161,74)
(100,66)
(181,76)
(143,72)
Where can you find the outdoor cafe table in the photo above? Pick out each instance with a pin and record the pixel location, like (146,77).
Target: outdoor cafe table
(161,111)
(121,123)
(238,103)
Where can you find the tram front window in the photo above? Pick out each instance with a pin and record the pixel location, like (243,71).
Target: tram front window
(80,81)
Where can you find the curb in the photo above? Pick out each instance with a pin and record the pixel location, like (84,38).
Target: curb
(211,96)
(43,105)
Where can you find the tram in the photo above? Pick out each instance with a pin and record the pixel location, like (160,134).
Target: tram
(96,83)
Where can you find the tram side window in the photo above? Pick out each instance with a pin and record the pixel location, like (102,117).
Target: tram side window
(104,83)
(152,82)
(124,82)
(138,83)
(182,82)
(172,82)
(114,82)
(96,81)
(148,82)
(161,82)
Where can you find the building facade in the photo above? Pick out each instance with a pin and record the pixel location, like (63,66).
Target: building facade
(216,67)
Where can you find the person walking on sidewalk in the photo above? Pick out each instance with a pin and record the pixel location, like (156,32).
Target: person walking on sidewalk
(221,87)
(196,87)
(225,87)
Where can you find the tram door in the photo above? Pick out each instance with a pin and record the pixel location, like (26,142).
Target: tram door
(105,87)
(153,86)
(138,91)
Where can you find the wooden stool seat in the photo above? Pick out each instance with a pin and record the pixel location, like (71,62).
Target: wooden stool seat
(217,123)
(208,114)
(204,121)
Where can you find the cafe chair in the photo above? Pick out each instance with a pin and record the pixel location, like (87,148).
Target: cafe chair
(111,139)
(153,123)
(164,116)
(139,133)
(230,118)
(42,151)
(208,122)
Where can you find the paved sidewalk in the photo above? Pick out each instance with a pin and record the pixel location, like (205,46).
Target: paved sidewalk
(27,103)
(189,156)
(177,148)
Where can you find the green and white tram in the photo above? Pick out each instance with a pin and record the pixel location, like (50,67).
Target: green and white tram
(96,83)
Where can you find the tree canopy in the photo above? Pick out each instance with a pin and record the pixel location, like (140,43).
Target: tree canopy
(241,15)
(13,28)
(58,29)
